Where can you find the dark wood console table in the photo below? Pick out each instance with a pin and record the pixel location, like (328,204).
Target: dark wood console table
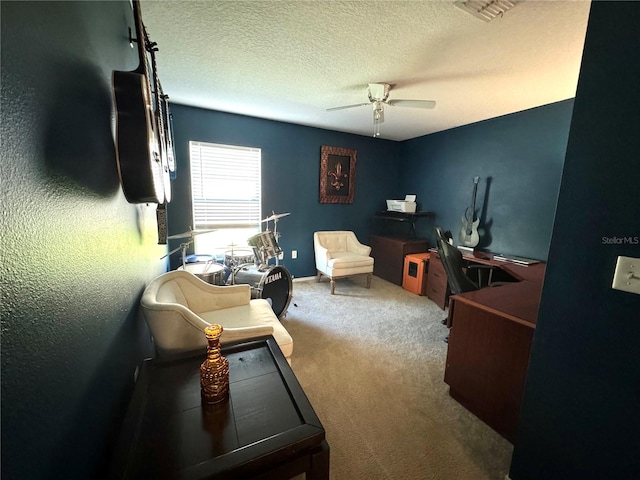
(267,429)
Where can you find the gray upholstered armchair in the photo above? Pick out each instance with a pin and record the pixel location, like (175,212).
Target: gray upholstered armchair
(339,254)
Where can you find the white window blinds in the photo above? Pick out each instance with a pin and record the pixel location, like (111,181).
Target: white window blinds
(225,185)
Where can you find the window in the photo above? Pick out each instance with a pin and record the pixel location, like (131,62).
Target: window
(225,194)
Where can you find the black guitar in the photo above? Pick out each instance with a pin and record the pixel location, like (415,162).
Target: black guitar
(161,121)
(138,148)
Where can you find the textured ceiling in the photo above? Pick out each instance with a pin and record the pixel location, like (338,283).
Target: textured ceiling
(291,60)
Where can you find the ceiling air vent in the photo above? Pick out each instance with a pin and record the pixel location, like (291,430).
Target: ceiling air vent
(487,10)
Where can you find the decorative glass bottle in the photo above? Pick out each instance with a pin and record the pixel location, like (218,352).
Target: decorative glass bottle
(214,371)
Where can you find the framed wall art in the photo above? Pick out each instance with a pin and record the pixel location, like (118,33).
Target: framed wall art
(337,175)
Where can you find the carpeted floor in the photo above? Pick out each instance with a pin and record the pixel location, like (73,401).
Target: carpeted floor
(372,364)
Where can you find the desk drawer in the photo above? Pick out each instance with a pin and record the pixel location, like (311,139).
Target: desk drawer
(440,297)
(437,288)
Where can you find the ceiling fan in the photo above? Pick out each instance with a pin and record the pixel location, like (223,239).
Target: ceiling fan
(379,96)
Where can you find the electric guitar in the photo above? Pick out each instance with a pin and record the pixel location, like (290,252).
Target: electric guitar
(138,148)
(469,232)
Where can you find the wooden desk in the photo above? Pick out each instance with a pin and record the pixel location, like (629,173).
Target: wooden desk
(489,345)
(266,429)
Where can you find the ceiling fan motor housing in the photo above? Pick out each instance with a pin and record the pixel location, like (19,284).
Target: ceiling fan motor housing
(379,91)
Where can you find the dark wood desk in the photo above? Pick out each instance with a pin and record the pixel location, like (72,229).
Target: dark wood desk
(489,345)
(267,429)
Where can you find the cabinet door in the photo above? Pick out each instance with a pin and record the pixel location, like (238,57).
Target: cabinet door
(386,252)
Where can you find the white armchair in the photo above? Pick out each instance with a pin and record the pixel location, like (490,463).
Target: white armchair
(339,254)
(178,306)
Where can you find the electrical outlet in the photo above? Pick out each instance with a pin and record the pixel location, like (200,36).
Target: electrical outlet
(294,254)
(627,275)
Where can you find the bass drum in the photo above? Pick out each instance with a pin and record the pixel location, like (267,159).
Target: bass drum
(271,283)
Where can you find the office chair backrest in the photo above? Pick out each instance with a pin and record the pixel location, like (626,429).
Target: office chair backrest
(453,265)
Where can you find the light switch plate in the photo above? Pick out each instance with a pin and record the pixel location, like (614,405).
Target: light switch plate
(627,275)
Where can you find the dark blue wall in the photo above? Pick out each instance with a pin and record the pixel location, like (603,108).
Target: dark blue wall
(290,177)
(519,160)
(75,255)
(580,413)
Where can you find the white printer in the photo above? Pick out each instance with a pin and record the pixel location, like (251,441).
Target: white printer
(408,205)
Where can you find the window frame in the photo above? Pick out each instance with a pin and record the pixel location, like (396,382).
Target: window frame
(212,165)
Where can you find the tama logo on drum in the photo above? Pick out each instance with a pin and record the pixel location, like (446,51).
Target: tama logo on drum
(273,278)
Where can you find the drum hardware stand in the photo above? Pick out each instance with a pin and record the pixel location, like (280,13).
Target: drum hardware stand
(183,247)
(188,234)
(275,217)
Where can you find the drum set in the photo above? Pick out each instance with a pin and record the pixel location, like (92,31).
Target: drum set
(244,265)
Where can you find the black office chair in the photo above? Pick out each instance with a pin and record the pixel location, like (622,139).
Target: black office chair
(454,265)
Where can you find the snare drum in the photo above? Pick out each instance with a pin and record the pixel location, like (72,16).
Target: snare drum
(210,272)
(272,283)
(266,243)
(238,256)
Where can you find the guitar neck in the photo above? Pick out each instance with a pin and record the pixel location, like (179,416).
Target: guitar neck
(143,67)
(473,196)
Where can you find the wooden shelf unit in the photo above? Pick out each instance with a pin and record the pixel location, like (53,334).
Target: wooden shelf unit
(389,253)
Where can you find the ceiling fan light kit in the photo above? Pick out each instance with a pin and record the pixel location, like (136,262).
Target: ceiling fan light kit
(486,10)
(378,94)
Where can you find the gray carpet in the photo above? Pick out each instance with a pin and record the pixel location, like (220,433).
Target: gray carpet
(372,364)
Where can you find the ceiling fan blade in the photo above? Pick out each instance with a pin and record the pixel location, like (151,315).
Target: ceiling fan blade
(412,103)
(348,106)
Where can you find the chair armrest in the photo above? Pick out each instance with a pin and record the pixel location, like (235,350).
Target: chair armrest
(354,246)
(323,252)
(244,333)
(322,256)
(163,319)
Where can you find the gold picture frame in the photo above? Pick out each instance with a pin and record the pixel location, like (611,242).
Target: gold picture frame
(337,175)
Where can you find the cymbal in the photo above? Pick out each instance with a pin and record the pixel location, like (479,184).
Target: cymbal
(275,216)
(190,233)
